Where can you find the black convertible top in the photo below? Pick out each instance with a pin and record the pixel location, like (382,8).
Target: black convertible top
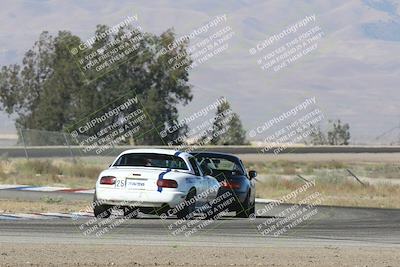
(216,155)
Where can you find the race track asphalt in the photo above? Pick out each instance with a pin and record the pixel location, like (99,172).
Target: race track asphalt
(329,226)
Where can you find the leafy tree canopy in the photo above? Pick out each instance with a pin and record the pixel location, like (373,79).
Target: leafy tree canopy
(227,128)
(48,91)
(337,134)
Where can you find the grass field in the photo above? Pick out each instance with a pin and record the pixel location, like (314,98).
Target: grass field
(276,178)
(81,173)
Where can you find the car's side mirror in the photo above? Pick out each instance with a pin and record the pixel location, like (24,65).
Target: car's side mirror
(252,174)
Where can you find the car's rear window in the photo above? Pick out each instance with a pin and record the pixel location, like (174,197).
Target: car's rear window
(151,160)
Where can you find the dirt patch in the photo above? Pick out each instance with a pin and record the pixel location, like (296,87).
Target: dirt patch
(13,206)
(119,255)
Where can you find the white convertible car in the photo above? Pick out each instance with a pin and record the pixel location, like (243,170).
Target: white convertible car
(153,181)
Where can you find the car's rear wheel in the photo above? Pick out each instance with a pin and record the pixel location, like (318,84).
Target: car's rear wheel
(245,209)
(187,211)
(100,210)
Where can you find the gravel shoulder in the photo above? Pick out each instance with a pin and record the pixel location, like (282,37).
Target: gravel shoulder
(120,255)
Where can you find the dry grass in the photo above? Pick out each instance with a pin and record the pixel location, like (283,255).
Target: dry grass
(59,172)
(377,170)
(333,182)
(278,178)
(334,192)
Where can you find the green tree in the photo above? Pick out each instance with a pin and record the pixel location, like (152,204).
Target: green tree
(227,128)
(317,136)
(48,91)
(337,134)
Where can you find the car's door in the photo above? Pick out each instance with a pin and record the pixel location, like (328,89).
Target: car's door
(211,184)
(252,183)
(201,182)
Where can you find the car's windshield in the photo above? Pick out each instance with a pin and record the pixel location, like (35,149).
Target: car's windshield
(216,163)
(151,160)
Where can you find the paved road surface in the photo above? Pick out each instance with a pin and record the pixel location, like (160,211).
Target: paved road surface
(329,226)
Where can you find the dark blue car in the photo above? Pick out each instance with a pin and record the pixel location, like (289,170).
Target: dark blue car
(233,177)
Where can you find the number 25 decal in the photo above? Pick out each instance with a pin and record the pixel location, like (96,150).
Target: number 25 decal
(120,183)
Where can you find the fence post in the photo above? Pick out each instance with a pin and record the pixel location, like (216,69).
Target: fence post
(69,147)
(302,178)
(23,141)
(352,174)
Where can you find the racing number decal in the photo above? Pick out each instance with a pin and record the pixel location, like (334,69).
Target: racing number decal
(120,184)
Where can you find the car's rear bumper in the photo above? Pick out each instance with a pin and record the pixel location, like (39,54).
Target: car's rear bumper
(238,198)
(139,198)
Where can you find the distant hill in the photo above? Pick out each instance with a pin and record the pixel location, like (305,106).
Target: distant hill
(354,74)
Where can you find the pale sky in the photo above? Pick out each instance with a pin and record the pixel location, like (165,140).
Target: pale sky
(353,73)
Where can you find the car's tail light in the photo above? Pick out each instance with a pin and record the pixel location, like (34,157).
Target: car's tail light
(107,180)
(166,183)
(230,185)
